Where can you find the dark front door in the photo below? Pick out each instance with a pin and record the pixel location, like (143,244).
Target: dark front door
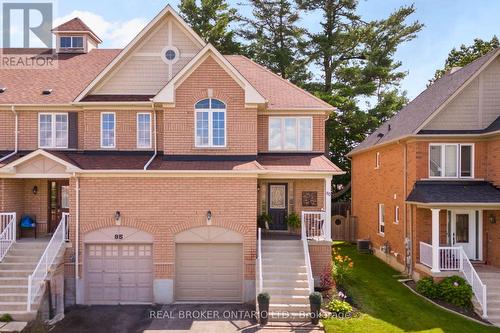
(58,202)
(278,205)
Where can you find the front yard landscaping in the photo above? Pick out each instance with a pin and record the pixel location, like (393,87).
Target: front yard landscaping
(387,306)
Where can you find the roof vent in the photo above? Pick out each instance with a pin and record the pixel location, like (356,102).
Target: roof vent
(2,90)
(47,92)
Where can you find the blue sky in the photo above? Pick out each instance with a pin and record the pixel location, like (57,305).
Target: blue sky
(448,23)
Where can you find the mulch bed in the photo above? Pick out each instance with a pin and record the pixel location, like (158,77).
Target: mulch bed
(469,313)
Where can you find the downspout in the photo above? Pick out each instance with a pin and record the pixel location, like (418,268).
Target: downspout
(16,135)
(407,231)
(155,138)
(77,239)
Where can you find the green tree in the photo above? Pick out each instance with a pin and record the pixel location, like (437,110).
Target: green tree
(212,20)
(465,55)
(360,74)
(275,39)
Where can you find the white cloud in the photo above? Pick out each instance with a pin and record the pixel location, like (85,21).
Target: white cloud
(115,34)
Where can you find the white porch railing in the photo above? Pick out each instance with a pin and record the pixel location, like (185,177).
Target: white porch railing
(305,244)
(455,259)
(37,278)
(8,224)
(315,225)
(260,280)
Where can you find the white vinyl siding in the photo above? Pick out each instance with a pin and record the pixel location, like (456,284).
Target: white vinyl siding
(144,130)
(53,130)
(381,219)
(108,130)
(449,160)
(290,134)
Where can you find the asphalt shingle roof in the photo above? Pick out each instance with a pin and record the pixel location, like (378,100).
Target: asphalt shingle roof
(432,191)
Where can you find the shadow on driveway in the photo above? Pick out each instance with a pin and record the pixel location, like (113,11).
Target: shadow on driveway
(216,318)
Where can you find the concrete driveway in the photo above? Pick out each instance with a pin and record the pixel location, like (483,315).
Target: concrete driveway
(202,318)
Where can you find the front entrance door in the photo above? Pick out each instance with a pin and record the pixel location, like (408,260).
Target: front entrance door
(465,232)
(58,202)
(278,206)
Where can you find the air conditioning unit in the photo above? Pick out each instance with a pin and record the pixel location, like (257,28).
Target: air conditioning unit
(364,246)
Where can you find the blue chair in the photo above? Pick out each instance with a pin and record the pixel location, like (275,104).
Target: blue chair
(27,223)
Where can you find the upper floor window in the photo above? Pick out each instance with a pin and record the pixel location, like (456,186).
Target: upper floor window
(53,130)
(71,42)
(144,130)
(210,123)
(290,133)
(450,160)
(108,129)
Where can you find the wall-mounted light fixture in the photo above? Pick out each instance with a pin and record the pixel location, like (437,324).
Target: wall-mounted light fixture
(118,217)
(492,219)
(35,190)
(209,217)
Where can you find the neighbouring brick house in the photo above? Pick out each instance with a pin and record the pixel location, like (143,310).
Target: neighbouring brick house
(163,154)
(425,185)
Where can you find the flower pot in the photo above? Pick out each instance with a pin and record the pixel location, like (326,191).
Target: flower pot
(315,313)
(263,299)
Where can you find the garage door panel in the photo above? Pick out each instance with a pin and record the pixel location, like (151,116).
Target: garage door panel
(119,274)
(209,272)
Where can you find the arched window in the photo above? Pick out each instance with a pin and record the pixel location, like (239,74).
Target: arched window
(210,123)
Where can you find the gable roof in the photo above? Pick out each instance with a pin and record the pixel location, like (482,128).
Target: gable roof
(167,94)
(71,75)
(76,25)
(413,116)
(166,11)
(8,167)
(280,93)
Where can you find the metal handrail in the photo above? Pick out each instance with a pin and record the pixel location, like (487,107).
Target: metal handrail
(305,244)
(259,260)
(36,279)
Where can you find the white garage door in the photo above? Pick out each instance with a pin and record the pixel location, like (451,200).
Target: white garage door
(209,272)
(119,273)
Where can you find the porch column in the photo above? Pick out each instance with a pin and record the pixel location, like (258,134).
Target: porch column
(328,208)
(435,240)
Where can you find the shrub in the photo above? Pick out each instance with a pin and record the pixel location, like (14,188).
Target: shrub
(326,279)
(262,219)
(316,298)
(455,290)
(341,267)
(339,307)
(293,221)
(6,318)
(428,288)
(263,298)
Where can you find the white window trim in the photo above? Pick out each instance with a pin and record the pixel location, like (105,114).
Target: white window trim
(377,160)
(139,146)
(381,222)
(114,131)
(72,47)
(53,129)
(282,122)
(396,215)
(459,159)
(210,125)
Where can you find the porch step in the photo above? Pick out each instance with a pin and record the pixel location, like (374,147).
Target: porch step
(285,283)
(15,273)
(18,265)
(14,297)
(9,258)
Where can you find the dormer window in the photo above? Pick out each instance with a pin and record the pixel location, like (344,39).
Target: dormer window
(71,42)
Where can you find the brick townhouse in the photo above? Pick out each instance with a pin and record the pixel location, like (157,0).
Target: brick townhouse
(154,162)
(426,183)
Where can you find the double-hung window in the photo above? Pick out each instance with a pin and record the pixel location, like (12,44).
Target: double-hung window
(71,42)
(210,119)
(144,130)
(450,160)
(108,129)
(290,133)
(53,130)
(381,219)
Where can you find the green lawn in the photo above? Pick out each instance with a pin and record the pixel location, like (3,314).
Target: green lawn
(389,307)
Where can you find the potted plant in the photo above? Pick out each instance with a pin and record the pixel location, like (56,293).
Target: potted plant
(315,299)
(293,222)
(263,299)
(264,220)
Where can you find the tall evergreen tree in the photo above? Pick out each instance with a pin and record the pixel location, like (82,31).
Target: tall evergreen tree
(466,54)
(275,38)
(212,20)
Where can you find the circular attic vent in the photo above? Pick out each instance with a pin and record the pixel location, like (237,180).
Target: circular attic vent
(170,55)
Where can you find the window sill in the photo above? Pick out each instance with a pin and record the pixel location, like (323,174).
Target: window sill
(453,178)
(381,234)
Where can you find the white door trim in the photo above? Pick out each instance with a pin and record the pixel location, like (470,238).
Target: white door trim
(474,248)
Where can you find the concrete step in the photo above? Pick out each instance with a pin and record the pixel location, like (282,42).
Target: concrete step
(283,261)
(287,291)
(13,281)
(288,299)
(299,307)
(14,297)
(21,315)
(15,273)
(30,245)
(14,289)
(12,306)
(283,275)
(22,251)
(9,258)
(18,265)
(281,241)
(289,316)
(273,268)
(292,282)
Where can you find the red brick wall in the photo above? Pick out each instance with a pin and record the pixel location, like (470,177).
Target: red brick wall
(493,160)
(491,238)
(167,206)
(179,122)
(318,132)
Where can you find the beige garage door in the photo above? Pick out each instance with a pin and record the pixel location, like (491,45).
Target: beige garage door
(119,273)
(208,272)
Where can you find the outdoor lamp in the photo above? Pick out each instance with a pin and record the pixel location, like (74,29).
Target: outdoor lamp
(492,219)
(35,190)
(209,217)
(118,216)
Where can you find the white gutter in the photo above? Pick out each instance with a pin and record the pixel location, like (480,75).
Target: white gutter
(156,139)
(16,135)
